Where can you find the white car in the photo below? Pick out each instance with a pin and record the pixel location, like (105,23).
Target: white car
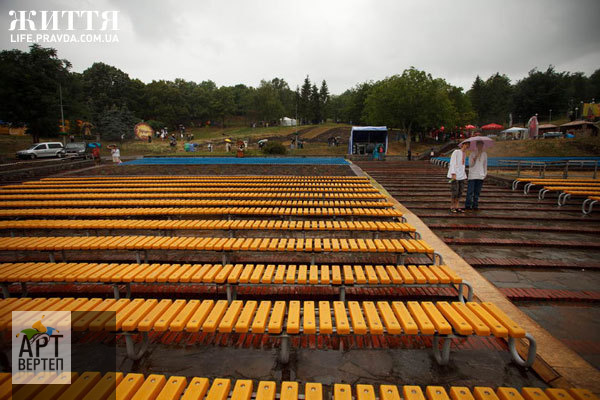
(39,150)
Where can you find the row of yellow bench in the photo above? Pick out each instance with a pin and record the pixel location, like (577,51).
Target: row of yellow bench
(209,224)
(167,211)
(76,194)
(443,320)
(299,185)
(198,203)
(226,178)
(552,181)
(230,273)
(273,317)
(118,386)
(194,189)
(212,244)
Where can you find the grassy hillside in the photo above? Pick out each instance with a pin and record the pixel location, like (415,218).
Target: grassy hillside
(579,147)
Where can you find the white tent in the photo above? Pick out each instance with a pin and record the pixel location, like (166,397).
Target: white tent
(285,121)
(513,130)
(519,133)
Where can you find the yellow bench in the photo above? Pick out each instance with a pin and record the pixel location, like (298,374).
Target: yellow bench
(214,178)
(442,320)
(311,246)
(232,275)
(119,386)
(298,185)
(189,195)
(568,193)
(192,189)
(211,224)
(195,203)
(550,181)
(390,213)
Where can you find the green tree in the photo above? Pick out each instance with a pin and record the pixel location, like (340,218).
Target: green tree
(594,85)
(315,105)
(324,99)
(492,99)
(114,122)
(539,92)
(304,109)
(268,102)
(413,102)
(462,105)
(29,89)
(223,104)
(106,86)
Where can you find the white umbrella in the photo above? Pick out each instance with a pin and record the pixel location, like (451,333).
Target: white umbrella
(487,142)
(514,130)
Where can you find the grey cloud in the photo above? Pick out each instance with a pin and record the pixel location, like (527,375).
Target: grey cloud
(342,41)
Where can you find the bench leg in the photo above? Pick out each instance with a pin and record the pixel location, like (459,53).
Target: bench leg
(417,235)
(312,259)
(343,293)
(439,257)
(399,259)
(51,257)
(460,289)
(5,292)
(138,259)
(24,290)
(530,353)
(230,295)
(441,356)
(132,353)
(146,256)
(589,209)
(116,293)
(224,258)
(284,350)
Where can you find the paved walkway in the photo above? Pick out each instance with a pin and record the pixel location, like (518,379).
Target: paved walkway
(557,364)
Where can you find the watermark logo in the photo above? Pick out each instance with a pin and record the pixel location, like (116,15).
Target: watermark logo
(41,344)
(67,26)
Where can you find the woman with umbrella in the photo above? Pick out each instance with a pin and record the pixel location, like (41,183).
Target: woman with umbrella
(477,169)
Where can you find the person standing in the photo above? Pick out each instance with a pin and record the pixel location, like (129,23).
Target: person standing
(116,154)
(457,174)
(96,155)
(477,172)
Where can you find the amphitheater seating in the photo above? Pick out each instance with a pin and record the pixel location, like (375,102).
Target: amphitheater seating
(443,320)
(209,224)
(309,246)
(552,181)
(195,203)
(116,385)
(195,211)
(187,195)
(232,276)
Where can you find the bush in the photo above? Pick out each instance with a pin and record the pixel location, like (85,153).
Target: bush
(274,148)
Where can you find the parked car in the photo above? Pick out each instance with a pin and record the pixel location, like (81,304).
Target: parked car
(77,149)
(551,135)
(39,150)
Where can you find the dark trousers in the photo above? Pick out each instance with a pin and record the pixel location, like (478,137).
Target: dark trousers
(473,191)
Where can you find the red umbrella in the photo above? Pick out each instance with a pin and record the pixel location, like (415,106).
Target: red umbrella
(470,127)
(491,127)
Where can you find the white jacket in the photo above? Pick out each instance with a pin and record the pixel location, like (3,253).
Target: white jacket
(457,166)
(478,169)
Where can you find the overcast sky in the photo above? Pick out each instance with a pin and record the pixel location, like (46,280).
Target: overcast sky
(344,42)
